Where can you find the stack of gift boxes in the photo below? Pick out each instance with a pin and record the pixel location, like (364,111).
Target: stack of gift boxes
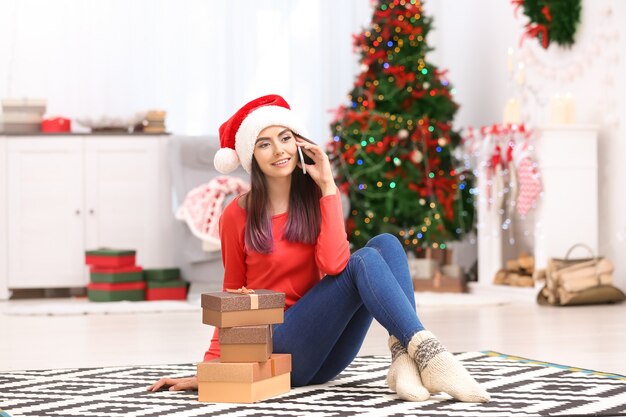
(247,370)
(114,276)
(164,284)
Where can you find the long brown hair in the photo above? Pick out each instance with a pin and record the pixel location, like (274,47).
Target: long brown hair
(304,216)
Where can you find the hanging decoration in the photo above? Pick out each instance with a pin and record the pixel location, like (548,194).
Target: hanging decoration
(550,20)
(503,154)
(544,79)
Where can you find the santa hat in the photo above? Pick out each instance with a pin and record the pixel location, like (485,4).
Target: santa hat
(239,133)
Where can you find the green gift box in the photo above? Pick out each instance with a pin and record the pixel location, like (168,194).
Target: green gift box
(121,274)
(162,274)
(123,291)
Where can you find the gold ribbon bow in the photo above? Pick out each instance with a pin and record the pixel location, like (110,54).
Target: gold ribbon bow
(242,290)
(254,298)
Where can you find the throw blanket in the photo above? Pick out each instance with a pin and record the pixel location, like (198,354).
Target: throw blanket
(203,206)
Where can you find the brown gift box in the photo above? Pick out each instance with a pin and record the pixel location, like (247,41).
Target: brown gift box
(246,344)
(245,334)
(217,371)
(243,382)
(440,283)
(244,392)
(226,309)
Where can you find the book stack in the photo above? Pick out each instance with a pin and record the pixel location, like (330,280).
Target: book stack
(247,370)
(22,115)
(164,284)
(114,275)
(154,122)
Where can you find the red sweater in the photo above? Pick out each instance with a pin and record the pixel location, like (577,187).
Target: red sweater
(292,268)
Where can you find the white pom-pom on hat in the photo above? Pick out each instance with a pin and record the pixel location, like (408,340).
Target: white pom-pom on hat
(226,160)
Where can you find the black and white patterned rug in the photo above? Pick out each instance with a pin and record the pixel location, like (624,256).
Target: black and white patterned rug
(518,387)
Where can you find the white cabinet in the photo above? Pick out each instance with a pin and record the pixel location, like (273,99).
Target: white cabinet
(66,194)
(45,213)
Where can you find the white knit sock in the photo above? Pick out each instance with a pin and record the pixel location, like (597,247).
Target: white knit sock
(403,377)
(441,371)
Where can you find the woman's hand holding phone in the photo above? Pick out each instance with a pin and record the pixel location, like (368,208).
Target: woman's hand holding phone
(317,165)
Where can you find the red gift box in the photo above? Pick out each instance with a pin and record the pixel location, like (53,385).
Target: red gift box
(117,286)
(110,258)
(57,124)
(154,294)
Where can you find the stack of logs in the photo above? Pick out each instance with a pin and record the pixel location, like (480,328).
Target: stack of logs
(518,272)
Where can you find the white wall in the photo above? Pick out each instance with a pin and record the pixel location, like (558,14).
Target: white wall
(471,40)
(197,59)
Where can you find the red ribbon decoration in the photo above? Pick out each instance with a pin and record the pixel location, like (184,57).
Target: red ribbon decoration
(517,4)
(534,31)
(361,118)
(402,77)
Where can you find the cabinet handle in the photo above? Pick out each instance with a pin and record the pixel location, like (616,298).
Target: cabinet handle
(91,211)
(78,212)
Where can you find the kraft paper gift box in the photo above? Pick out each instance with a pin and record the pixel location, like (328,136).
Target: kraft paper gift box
(166,290)
(249,382)
(422,268)
(162,274)
(105,257)
(230,309)
(245,344)
(218,371)
(440,283)
(121,274)
(452,271)
(123,291)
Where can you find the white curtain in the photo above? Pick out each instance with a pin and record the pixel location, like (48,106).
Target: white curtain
(197,59)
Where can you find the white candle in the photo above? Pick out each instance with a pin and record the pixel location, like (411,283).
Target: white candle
(520,77)
(569,108)
(509,60)
(557,110)
(512,112)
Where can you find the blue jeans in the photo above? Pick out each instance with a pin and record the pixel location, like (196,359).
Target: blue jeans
(324,330)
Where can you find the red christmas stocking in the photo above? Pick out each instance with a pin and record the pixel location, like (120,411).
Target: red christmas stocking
(529,186)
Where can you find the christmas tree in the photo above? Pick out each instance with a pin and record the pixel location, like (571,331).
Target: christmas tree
(393,145)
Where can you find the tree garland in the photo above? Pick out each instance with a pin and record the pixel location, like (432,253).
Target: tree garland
(550,20)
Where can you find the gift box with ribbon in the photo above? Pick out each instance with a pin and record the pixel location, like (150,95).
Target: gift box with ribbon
(244,382)
(121,274)
(243,307)
(105,257)
(166,290)
(116,291)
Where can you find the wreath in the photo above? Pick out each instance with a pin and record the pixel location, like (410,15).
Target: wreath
(550,20)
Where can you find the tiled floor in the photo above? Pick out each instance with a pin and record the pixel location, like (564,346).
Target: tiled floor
(589,337)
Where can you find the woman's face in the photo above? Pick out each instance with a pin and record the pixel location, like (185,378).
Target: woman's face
(276,152)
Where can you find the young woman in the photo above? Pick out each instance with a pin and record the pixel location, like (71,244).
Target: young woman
(287,234)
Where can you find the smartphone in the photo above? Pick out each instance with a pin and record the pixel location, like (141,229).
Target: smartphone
(304,159)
